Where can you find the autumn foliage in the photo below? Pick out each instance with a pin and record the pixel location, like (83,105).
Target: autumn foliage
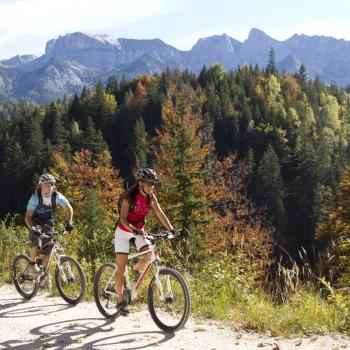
(77,178)
(237,227)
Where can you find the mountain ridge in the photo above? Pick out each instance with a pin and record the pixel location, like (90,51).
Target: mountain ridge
(77,59)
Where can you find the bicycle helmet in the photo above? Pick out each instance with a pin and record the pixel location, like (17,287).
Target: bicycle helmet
(46,179)
(146,174)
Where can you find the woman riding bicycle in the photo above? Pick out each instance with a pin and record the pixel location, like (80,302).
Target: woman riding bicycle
(135,206)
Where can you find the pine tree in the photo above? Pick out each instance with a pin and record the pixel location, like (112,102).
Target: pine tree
(12,171)
(93,139)
(180,159)
(227,135)
(55,129)
(272,191)
(138,150)
(271,63)
(302,77)
(94,228)
(112,86)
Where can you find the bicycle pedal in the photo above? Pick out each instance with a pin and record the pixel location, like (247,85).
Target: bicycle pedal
(27,277)
(110,289)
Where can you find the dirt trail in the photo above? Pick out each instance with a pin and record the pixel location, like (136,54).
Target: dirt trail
(50,323)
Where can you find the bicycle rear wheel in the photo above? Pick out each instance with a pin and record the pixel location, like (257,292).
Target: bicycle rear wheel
(169,300)
(70,280)
(25,284)
(104,291)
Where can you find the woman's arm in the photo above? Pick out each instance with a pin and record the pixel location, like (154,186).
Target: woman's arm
(124,212)
(160,214)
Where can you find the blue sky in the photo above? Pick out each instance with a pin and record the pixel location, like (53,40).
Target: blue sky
(26,25)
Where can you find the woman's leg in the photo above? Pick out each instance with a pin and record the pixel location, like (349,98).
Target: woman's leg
(121,261)
(140,265)
(121,249)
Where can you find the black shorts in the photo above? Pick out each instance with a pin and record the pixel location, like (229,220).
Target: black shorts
(47,243)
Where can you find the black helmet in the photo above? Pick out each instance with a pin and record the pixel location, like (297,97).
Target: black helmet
(145,174)
(46,179)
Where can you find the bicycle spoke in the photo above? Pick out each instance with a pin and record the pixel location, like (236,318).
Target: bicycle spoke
(169,300)
(23,280)
(70,280)
(104,291)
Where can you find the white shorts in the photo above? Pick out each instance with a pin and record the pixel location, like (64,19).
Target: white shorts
(122,241)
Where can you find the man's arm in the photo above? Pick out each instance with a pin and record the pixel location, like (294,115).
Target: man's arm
(69,213)
(28,219)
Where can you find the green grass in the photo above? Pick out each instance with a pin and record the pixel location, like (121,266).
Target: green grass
(219,293)
(222,289)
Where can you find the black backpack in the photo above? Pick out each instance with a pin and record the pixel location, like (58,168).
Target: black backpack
(53,199)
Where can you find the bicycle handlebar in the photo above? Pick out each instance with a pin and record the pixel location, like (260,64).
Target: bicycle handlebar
(162,235)
(52,233)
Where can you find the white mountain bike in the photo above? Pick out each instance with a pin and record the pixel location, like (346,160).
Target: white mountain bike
(168,296)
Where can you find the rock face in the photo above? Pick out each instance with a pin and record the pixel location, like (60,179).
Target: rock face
(74,60)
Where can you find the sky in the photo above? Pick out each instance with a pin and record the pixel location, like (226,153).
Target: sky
(26,25)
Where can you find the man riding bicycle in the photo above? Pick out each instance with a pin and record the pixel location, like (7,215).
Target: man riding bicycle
(135,206)
(40,219)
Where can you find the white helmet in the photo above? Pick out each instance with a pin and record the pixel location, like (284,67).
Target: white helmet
(46,179)
(144,174)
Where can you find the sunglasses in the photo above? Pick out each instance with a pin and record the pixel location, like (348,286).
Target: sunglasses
(149,183)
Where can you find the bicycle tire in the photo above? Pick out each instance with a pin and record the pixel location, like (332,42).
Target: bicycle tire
(71,289)
(105,302)
(172,313)
(20,275)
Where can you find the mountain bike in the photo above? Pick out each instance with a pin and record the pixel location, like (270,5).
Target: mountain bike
(168,296)
(69,276)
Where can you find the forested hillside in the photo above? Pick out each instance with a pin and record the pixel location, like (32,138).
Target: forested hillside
(250,162)
(292,132)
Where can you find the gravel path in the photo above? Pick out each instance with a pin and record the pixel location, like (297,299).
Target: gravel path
(50,323)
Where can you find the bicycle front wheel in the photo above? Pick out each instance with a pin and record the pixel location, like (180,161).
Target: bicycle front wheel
(169,300)
(24,282)
(70,280)
(104,291)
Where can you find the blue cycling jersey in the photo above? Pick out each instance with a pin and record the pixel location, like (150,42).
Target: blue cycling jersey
(44,213)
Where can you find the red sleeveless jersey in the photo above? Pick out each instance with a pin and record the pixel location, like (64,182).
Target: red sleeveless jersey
(139,212)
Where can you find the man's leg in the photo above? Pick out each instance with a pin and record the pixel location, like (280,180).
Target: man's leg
(33,253)
(34,268)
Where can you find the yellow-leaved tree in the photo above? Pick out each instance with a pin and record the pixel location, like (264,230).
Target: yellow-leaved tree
(333,234)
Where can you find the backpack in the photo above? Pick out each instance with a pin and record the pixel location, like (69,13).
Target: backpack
(53,199)
(44,216)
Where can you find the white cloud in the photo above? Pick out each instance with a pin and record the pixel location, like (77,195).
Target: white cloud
(49,18)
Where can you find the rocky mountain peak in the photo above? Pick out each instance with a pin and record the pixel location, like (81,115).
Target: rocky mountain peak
(18,60)
(77,59)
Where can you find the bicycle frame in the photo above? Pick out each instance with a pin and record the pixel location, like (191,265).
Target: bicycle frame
(53,254)
(152,262)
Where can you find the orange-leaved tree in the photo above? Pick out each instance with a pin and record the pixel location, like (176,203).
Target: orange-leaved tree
(237,229)
(93,187)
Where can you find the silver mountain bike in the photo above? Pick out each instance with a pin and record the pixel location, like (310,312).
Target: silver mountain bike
(69,276)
